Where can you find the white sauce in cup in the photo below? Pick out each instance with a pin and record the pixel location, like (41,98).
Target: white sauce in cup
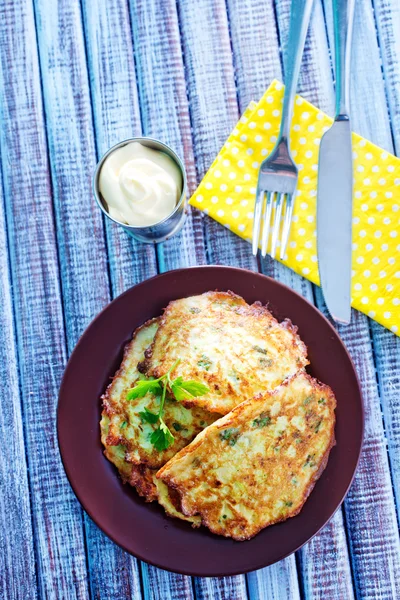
(141,186)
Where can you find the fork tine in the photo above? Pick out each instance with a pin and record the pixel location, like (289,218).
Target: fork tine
(286,225)
(267,223)
(277,223)
(257,220)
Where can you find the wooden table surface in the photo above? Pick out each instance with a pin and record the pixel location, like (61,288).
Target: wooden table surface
(75,78)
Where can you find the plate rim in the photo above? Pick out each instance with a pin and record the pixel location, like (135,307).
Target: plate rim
(70,477)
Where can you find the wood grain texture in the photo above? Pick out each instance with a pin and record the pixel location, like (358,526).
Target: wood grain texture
(183,72)
(317,580)
(83,260)
(214,112)
(277,581)
(315,84)
(220,588)
(380,528)
(57,518)
(387,20)
(386,345)
(213,106)
(116,114)
(80,234)
(165,112)
(163,585)
(17,555)
(370,514)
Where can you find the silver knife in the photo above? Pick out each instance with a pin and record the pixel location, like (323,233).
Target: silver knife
(335,180)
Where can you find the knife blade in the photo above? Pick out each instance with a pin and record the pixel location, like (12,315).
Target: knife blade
(335,180)
(334,219)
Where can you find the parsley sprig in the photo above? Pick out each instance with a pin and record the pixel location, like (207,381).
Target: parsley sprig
(162,438)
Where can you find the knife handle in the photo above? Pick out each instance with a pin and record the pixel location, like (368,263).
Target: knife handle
(300,13)
(343,17)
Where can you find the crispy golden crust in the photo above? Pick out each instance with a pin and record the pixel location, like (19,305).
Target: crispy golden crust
(126,438)
(236,349)
(143,479)
(257,465)
(126,426)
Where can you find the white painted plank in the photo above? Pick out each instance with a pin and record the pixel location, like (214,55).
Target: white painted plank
(165,112)
(387,19)
(277,581)
(213,107)
(17,560)
(80,233)
(163,585)
(220,588)
(374,536)
(386,345)
(57,524)
(370,514)
(214,112)
(116,114)
(260,67)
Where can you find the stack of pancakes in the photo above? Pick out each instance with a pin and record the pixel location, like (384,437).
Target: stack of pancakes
(247,453)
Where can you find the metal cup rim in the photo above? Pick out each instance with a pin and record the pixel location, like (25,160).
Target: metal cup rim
(169,151)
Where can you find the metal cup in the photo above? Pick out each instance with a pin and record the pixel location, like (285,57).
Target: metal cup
(170,225)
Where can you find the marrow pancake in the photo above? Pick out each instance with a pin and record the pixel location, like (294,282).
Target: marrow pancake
(126,437)
(257,465)
(143,479)
(236,349)
(126,426)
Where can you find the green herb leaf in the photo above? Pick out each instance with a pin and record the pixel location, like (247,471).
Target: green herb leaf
(123,424)
(177,426)
(162,438)
(259,349)
(147,416)
(186,390)
(142,388)
(230,435)
(204,362)
(262,420)
(318,426)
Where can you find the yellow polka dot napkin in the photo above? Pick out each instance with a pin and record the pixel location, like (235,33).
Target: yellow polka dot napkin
(227,193)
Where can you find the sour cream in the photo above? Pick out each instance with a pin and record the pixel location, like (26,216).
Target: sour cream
(141,186)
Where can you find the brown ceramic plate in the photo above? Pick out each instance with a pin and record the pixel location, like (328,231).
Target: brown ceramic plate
(143,529)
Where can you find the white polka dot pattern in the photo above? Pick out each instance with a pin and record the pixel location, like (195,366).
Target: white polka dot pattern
(227,194)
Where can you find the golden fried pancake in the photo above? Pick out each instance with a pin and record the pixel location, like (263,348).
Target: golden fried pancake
(257,465)
(236,349)
(127,428)
(126,437)
(143,479)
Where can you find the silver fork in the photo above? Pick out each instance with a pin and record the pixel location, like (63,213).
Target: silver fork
(278,172)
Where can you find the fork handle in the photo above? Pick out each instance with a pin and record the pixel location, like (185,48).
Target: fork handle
(299,19)
(343,16)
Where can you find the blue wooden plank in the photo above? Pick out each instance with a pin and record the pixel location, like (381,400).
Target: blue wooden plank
(17,560)
(162,585)
(165,112)
(214,112)
(116,113)
(81,242)
(374,536)
(221,588)
(315,83)
(387,346)
(57,519)
(253,70)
